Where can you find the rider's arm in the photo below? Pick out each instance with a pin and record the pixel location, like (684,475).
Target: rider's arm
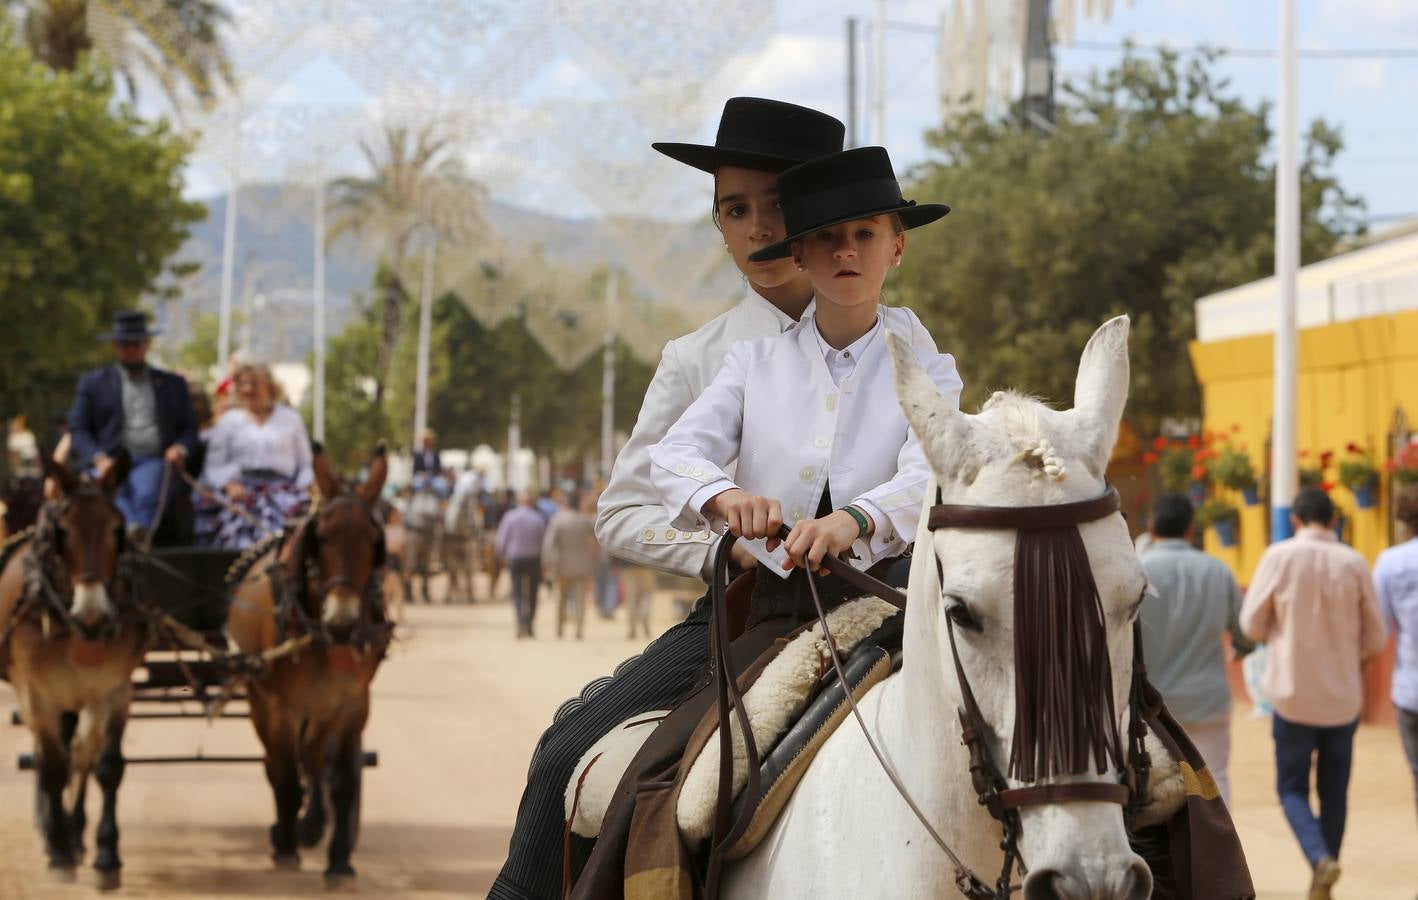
(81,423)
(895,507)
(630,520)
(219,468)
(688,465)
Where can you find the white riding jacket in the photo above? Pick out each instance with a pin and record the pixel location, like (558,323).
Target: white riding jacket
(630,520)
(776,408)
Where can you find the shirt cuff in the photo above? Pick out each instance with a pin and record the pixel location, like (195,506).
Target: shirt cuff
(695,506)
(883,536)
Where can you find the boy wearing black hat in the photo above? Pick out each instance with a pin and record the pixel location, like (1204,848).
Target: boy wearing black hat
(135,407)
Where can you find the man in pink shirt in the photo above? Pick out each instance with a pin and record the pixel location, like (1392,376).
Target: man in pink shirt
(1313,603)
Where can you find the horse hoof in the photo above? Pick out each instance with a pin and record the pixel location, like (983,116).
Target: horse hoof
(63,873)
(108,879)
(309,832)
(341,879)
(286,862)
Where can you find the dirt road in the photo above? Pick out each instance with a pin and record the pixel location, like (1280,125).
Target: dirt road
(457,710)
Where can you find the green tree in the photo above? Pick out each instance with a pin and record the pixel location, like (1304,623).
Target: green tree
(176,41)
(1154,189)
(354,420)
(91,208)
(415,188)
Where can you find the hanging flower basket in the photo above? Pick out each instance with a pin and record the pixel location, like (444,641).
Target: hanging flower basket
(1251,495)
(1221,517)
(1365,496)
(1225,532)
(1358,473)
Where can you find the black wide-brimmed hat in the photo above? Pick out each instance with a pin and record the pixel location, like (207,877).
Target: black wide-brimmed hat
(767,135)
(843,187)
(129,325)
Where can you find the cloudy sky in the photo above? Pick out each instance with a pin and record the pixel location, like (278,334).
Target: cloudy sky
(796,51)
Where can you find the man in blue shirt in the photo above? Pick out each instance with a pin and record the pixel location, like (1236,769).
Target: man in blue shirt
(1396,578)
(1193,599)
(519,546)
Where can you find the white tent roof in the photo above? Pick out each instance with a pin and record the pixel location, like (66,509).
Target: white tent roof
(1379,279)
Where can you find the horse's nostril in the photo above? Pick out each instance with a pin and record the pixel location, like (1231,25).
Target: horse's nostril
(1050,884)
(1135,883)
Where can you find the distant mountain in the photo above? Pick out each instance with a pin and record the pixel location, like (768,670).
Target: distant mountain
(274,261)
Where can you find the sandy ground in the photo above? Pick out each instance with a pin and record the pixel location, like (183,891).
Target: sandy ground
(457,710)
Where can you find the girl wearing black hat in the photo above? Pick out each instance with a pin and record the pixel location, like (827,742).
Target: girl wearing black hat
(756,140)
(811,416)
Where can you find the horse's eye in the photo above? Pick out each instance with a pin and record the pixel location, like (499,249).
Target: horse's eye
(960,615)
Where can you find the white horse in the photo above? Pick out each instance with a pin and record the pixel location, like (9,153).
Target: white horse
(846,832)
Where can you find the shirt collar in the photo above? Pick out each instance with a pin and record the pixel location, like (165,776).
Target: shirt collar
(126,375)
(1317,534)
(852,351)
(784,321)
(1173,543)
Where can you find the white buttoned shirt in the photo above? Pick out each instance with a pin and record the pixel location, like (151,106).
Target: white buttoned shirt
(630,519)
(794,429)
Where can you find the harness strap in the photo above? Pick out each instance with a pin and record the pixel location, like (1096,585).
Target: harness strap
(1046,794)
(1024,518)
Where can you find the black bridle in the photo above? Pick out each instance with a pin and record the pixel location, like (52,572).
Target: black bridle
(987,778)
(293,587)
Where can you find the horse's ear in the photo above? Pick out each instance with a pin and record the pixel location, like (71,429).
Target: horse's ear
(1101,392)
(941,428)
(378,471)
(65,481)
(118,472)
(329,485)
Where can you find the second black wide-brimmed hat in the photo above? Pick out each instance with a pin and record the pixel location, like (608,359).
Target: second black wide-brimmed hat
(843,187)
(767,135)
(129,325)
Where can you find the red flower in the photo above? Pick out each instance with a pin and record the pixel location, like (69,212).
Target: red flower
(1326,458)
(1236,428)
(1304,454)
(1193,442)
(1391,465)
(1354,448)
(1149,458)
(1159,442)
(1326,486)
(1198,473)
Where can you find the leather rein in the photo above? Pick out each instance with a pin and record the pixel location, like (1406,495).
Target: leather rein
(991,788)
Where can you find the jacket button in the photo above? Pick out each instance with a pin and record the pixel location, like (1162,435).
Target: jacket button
(831,402)
(647,535)
(808,474)
(821,442)
(671,534)
(798,514)
(681,469)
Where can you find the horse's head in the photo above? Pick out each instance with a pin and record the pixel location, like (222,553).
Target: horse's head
(82,532)
(339,549)
(1036,614)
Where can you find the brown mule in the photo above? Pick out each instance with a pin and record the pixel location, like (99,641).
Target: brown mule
(71,635)
(324,580)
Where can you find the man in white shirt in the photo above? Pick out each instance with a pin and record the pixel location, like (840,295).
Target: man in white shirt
(756,140)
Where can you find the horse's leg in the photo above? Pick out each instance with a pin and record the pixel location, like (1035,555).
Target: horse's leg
(283,772)
(78,784)
(347,772)
(52,774)
(313,754)
(110,722)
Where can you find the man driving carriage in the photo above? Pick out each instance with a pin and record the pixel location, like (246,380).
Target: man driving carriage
(133,406)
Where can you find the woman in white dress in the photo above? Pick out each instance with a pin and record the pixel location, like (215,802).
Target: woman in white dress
(259,457)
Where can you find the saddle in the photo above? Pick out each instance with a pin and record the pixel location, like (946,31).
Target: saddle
(794,702)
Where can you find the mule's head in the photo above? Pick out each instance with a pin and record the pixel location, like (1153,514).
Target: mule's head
(86,534)
(1050,668)
(339,550)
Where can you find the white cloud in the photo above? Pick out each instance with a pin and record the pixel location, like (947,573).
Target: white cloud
(1381,20)
(1363,74)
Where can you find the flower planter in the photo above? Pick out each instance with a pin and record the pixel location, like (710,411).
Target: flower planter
(1225,533)
(1365,497)
(1251,495)
(1197,493)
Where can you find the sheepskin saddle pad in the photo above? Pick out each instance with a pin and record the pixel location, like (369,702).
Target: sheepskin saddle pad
(793,706)
(796,692)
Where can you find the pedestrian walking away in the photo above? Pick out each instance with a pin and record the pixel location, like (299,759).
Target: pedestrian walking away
(569,557)
(1193,601)
(1312,601)
(519,545)
(756,140)
(1396,579)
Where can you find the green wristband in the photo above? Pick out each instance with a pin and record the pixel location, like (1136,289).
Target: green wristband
(861,520)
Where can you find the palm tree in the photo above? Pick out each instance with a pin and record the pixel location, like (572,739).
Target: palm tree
(417,189)
(176,41)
